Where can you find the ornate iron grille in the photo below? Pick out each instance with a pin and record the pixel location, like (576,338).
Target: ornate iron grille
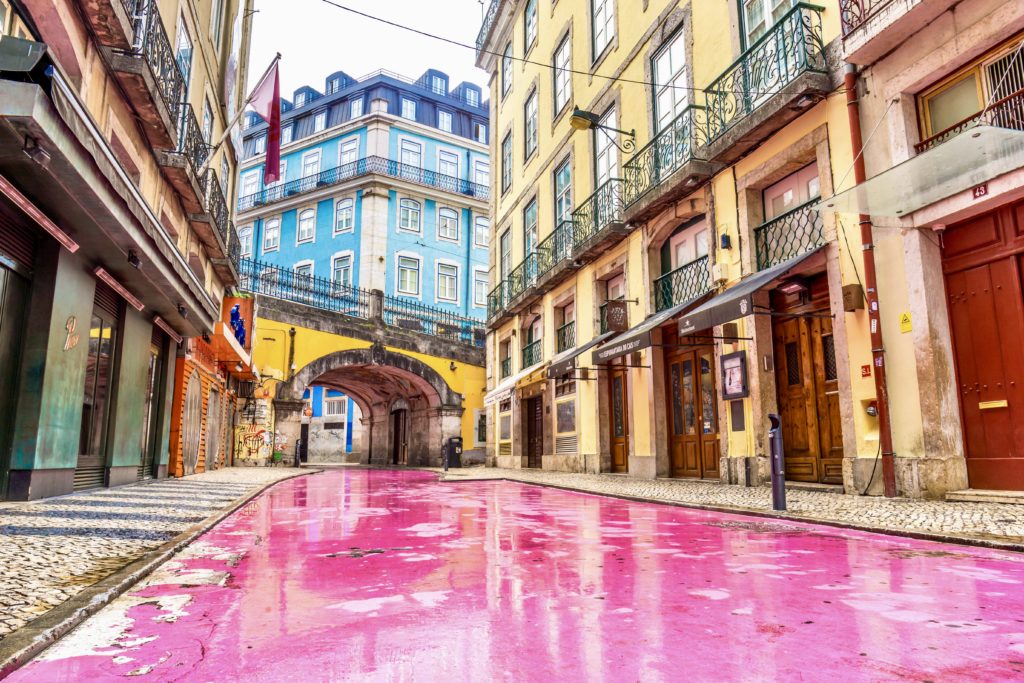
(555,248)
(1005,113)
(531,353)
(673,147)
(320,292)
(566,336)
(497,299)
(417,317)
(598,211)
(367,166)
(683,284)
(856,13)
(791,234)
(506,367)
(216,206)
(792,46)
(151,43)
(190,139)
(485,27)
(234,245)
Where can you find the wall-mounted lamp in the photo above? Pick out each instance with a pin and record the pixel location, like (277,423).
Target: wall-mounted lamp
(35,152)
(182,311)
(725,242)
(133,259)
(585,120)
(796,285)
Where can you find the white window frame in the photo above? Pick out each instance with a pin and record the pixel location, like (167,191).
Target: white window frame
(282,174)
(562,75)
(530,24)
(506,69)
(563,198)
(445,214)
(507,155)
(339,205)
(355,108)
(320,121)
(445,120)
(530,125)
(287,131)
(671,96)
(308,160)
(250,183)
(445,159)
(216,22)
(505,252)
(438,85)
(259,146)
(480,132)
(606,157)
(207,130)
(245,241)
(602,25)
(482,172)
(411,205)
(531,231)
(341,401)
(405,146)
(338,256)
(485,222)
(301,99)
(349,145)
(399,267)
(408,106)
(480,277)
(276,223)
(305,263)
(453,276)
(299,239)
(472,97)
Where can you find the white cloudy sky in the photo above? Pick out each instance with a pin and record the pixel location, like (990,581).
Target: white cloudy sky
(316,39)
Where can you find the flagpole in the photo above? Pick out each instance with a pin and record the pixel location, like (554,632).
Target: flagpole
(238,115)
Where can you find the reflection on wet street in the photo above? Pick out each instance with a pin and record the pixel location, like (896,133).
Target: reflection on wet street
(392,576)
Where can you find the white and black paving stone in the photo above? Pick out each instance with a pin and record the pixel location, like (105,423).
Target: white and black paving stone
(52,549)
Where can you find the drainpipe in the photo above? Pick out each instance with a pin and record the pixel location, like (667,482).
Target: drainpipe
(871,290)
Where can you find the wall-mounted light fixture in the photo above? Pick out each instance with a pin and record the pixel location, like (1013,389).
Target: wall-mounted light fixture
(133,259)
(35,152)
(796,285)
(585,120)
(182,311)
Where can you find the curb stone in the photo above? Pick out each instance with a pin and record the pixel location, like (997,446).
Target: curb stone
(24,644)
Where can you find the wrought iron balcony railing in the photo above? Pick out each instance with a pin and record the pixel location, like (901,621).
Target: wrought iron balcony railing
(191,144)
(1005,113)
(523,276)
(362,167)
(791,234)
(668,152)
(151,43)
(683,284)
(598,211)
(506,367)
(855,13)
(234,245)
(497,299)
(485,26)
(555,248)
(215,205)
(565,337)
(412,315)
(603,317)
(792,47)
(532,353)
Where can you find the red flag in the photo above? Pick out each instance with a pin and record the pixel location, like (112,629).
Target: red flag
(266,101)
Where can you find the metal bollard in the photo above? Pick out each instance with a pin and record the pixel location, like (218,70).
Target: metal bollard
(778,463)
(298,452)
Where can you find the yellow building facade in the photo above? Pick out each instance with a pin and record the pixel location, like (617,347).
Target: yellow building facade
(663,278)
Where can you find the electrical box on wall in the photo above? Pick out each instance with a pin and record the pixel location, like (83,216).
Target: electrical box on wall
(853,298)
(718,274)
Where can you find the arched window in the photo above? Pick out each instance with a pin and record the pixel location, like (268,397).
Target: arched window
(344,216)
(245,241)
(448,224)
(272,235)
(409,215)
(307,225)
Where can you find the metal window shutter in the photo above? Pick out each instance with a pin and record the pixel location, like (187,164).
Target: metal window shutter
(17,238)
(107,300)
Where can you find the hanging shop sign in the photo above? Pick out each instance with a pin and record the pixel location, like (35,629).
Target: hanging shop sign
(617,315)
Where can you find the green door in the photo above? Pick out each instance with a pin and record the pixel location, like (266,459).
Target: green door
(14,293)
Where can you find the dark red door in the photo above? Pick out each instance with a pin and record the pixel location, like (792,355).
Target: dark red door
(986,308)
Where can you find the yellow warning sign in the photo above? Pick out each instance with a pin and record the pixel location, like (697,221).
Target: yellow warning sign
(906,325)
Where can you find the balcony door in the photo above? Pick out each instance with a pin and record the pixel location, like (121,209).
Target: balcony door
(774,62)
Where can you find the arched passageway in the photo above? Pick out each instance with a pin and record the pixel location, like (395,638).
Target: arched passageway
(408,410)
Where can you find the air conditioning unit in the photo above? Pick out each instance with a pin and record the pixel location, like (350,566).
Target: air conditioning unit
(718,276)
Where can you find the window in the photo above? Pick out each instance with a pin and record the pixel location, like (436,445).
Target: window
(225,172)
(301,99)
(792,191)
(447,282)
(482,173)
(408,275)
(250,183)
(259,145)
(282,173)
(183,54)
(530,23)
(603,21)
(506,69)
(319,121)
(307,225)
(562,75)
(607,158)
(333,86)
(672,96)
(355,108)
(245,241)
(411,154)
(760,15)
(530,125)
(335,406)
(530,227)
(563,193)
(480,285)
(481,231)
(272,235)
(480,132)
(207,122)
(506,253)
(341,271)
(448,224)
(303,270)
(472,98)
(687,245)
(409,215)
(344,216)
(444,121)
(286,134)
(448,164)
(438,85)
(408,109)
(349,152)
(506,162)
(216,19)
(311,164)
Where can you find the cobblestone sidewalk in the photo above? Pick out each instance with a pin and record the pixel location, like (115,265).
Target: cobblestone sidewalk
(998,522)
(52,549)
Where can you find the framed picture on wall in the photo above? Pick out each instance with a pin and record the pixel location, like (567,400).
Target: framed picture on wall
(734,376)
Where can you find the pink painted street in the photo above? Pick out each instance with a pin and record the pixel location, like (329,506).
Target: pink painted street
(378,575)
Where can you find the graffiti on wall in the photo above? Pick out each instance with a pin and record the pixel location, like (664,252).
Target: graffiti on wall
(253,437)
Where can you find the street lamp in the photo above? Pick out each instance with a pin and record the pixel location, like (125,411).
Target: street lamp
(585,120)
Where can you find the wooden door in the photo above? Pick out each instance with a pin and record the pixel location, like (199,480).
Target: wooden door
(399,438)
(808,394)
(707,425)
(986,309)
(693,430)
(619,423)
(534,432)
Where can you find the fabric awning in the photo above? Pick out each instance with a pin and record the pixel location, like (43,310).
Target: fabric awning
(508,385)
(973,157)
(738,301)
(639,337)
(565,362)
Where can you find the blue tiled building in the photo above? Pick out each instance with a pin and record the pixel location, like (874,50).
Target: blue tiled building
(384,186)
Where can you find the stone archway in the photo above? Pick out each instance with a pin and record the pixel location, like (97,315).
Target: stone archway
(378,379)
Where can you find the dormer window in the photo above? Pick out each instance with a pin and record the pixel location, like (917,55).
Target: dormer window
(438,85)
(320,121)
(472,98)
(301,99)
(333,86)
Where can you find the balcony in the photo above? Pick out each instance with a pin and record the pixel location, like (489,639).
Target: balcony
(565,337)
(213,223)
(670,166)
(183,164)
(150,77)
(598,221)
(1005,113)
(532,353)
(506,367)
(793,233)
(873,28)
(685,283)
(602,317)
(358,169)
(497,300)
(774,81)
(111,21)
(555,257)
(486,24)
